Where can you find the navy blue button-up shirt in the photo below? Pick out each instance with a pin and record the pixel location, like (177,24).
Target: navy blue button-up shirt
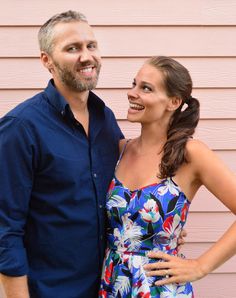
(53,182)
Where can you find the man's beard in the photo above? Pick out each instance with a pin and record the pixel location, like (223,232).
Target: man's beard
(73,82)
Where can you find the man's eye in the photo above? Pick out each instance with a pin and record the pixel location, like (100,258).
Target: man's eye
(72,49)
(92,46)
(133,84)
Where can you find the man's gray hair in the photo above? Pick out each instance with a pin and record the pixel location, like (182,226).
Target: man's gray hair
(46,34)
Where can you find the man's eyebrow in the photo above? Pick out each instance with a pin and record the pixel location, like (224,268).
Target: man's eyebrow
(80,43)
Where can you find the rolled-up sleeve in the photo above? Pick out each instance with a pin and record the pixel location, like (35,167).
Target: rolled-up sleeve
(16,179)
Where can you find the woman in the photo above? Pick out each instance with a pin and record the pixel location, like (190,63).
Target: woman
(156,178)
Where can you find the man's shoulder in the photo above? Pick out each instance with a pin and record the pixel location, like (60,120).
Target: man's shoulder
(27,108)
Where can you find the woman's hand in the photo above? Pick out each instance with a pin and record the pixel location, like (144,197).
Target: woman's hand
(173,268)
(181,239)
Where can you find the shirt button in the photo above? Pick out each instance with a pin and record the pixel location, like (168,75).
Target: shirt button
(100,206)
(101,237)
(62,113)
(95,175)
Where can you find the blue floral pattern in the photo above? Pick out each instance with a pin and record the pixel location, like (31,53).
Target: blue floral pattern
(149,218)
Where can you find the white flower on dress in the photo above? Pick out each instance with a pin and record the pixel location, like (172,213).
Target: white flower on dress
(116,201)
(150,212)
(171,231)
(122,284)
(140,274)
(129,236)
(168,186)
(175,290)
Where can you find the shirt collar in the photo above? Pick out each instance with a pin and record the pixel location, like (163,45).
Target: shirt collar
(55,98)
(95,104)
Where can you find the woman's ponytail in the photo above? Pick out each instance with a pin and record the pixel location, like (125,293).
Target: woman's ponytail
(177,83)
(182,127)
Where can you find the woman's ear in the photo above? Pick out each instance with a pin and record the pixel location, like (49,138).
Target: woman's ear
(174,103)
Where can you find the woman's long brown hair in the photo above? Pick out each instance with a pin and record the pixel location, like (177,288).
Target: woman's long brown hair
(177,82)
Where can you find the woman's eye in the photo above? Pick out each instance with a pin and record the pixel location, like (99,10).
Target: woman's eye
(147,88)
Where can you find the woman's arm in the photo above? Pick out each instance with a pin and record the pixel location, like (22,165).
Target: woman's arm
(178,270)
(217,178)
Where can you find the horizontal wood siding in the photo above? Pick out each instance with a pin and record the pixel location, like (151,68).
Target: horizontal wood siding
(217,103)
(135,41)
(210,72)
(218,134)
(132,12)
(200,34)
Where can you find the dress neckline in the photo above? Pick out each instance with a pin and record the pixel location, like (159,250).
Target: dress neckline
(153,184)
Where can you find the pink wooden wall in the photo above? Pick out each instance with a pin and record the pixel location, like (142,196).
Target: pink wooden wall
(200,34)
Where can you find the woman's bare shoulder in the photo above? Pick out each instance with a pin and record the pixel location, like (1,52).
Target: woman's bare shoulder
(195,147)
(122,144)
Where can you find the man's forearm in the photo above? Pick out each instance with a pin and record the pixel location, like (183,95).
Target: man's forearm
(15,287)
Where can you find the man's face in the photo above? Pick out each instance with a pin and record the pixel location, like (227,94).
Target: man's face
(75,60)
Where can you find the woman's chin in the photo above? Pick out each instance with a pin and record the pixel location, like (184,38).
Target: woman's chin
(132,118)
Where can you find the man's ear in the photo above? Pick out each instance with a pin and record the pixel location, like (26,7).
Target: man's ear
(47,61)
(174,103)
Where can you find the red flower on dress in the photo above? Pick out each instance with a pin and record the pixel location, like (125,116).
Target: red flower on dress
(111,186)
(108,273)
(184,212)
(142,295)
(103,294)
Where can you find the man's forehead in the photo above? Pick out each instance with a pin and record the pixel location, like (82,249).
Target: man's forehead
(76,31)
(75,26)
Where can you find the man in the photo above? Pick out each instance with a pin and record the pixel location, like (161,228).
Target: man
(58,151)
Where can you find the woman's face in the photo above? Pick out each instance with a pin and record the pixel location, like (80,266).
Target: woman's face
(148,101)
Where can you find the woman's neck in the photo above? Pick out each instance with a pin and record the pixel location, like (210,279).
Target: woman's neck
(150,142)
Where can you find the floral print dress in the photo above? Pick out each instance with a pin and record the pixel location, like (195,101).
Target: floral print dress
(149,218)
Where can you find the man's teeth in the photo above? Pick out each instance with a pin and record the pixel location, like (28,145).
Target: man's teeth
(86,70)
(136,106)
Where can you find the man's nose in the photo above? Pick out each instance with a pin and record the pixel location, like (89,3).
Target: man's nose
(85,55)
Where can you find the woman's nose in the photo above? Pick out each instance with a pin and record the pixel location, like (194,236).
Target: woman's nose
(132,93)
